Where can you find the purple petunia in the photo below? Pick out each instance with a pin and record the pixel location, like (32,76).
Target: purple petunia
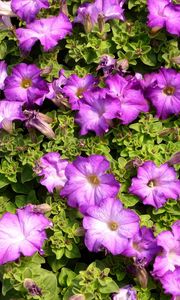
(3,73)
(52,168)
(130,95)
(163,13)
(28,9)
(163,90)
(75,88)
(10,111)
(125,293)
(169,258)
(22,233)
(109,226)
(143,246)
(171,283)
(88,182)
(96,111)
(154,185)
(48,31)
(25,85)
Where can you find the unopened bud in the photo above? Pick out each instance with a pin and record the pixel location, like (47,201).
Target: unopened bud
(176,60)
(7,125)
(80,231)
(47,70)
(123,64)
(142,277)
(63,7)
(41,208)
(88,23)
(101,22)
(155,30)
(174,160)
(77,297)
(32,288)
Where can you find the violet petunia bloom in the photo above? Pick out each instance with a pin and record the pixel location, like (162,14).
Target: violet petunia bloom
(109,226)
(3,73)
(163,90)
(96,111)
(48,31)
(52,168)
(22,233)
(110,9)
(125,293)
(75,88)
(88,182)
(130,96)
(154,185)
(163,13)
(169,257)
(28,9)
(143,246)
(10,111)
(171,283)
(25,85)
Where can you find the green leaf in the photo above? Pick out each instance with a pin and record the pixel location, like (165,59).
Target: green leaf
(27,174)
(3,181)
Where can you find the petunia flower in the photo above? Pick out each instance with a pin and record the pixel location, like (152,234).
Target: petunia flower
(96,111)
(10,111)
(109,226)
(171,283)
(25,85)
(163,90)
(3,73)
(48,31)
(155,185)
(22,233)
(52,168)
(75,88)
(88,182)
(125,293)
(169,257)
(28,9)
(130,96)
(143,246)
(163,13)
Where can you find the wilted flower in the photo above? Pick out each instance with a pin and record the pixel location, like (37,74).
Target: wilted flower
(109,226)
(96,111)
(28,9)
(171,283)
(169,257)
(107,64)
(22,233)
(75,88)
(163,13)
(52,168)
(163,90)
(40,122)
(10,111)
(3,73)
(25,85)
(129,93)
(32,287)
(90,13)
(125,293)
(154,185)
(49,31)
(143,246)
(88,182)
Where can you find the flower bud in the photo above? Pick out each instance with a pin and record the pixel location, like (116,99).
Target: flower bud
(174,160)
(176,60)
(77,297)
(63,7)
(41,208)
(7,125)
(101,22)
(88,23)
